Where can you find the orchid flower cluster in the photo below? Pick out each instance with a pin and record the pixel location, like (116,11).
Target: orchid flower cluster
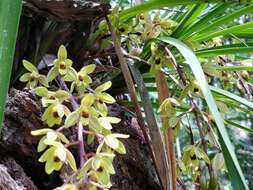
(90,117)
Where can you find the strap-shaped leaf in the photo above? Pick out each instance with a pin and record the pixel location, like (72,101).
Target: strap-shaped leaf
(225,50)
(232,96)
(156,4)
(189,18)
(9,19)
(217,10)
(155,134)
(226,31)
(231,123)
(225,19)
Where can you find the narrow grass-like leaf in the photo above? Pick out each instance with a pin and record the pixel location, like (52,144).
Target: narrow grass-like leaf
(155,135)
(218,9)
(229,46)
(244,34)
(9,21)
(225,50)
(232,96)
(234,170)
(156,4)
(225,19)
(235,68)
(226,31)
(189,17)
(238,126)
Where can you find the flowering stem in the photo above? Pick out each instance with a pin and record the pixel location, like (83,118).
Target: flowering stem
(71,144)
(63,85)
(79,125)
(81,143)
(60,128)
(75,106)
(90,154)
(93,133)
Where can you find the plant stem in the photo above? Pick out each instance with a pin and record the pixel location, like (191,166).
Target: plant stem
(79,124)
(81,143)
(163,93)
(190,130)
(71,144)
(82,154)
(63,85)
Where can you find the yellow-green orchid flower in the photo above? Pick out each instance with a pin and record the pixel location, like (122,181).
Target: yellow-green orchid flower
(33,77)
(158,59)
(83,79)
(99,167)
(49,135)
(193,154)
(102,98)
(62,67)
(106,122)
(86,114)
(51,97)
(54,114)
(56,156)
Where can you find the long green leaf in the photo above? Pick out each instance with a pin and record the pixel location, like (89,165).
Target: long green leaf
(232,96)
(239,126)
(225,19)
(9,21)
(226,31)
(156,4)
(244,34)
(215,52)
(234,170)
(229,46)
(220,8)
(189,18)
(224,50)
(235,68)
(155,135)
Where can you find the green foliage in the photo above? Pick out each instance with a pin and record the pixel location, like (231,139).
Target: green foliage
(9,19)
(212,39)
(92,114)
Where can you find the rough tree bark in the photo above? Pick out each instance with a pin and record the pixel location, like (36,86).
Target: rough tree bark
(67,10)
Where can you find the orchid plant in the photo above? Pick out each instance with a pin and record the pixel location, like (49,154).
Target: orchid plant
(90,116)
